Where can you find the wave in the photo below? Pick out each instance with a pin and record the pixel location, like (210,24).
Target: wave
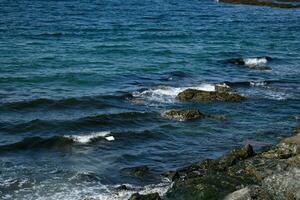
(167,94)
(88,101)
(117,119)
(60,142)
(256,62)
(88,138)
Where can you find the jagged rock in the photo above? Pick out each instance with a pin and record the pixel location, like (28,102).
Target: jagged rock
(152,196)
(205,96)
(184,114)
(236,155)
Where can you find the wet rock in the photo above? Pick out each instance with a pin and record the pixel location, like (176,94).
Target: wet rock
(138,171)
(182,115)
(236,155)
(123,187)
(270,3)
(171,175)
(152,196)
(272,174)
(205,96)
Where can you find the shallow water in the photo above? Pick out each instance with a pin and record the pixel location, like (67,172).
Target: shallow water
(68,70)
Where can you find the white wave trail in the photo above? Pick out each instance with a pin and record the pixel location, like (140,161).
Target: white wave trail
(88,138)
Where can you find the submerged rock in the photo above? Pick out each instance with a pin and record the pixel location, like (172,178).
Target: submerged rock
(182,115)
(138,171)
(152,196)
(270,3)
(205,96)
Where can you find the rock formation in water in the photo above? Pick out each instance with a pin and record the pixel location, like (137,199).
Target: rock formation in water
(205,96)
(182,115)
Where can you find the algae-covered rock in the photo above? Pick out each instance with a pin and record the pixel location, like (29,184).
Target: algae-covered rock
(206,96)
(182,115)
(152,196)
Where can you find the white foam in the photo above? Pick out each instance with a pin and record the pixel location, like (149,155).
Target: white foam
(253,62)
(115,194)
(88,138)
(259,83)
(167,94)
(110,138)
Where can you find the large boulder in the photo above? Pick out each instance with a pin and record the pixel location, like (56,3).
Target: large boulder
(183,115)
(206,96)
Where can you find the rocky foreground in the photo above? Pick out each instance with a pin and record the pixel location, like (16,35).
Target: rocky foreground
(270,3)
(240,175)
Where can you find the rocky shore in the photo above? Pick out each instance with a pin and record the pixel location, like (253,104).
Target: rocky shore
(241,175)
(270,3)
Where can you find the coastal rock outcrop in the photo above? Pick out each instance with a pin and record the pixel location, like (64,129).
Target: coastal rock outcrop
(182,115)
(138,171)
(207,96)
(243,175)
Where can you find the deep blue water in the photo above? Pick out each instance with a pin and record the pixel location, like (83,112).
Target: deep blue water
(68,69)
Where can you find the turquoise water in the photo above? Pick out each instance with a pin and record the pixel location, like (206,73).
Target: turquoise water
(73,73)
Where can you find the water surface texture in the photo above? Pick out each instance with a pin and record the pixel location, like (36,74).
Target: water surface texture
(83,85)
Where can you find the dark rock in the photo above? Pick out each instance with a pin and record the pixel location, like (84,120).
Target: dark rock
(184,114)
(270,3)
(236,61)
(204,96)
(123,187)
(152,196)
(139,171)
(172,175)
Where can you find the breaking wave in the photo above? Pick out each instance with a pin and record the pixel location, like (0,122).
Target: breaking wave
(58,142)
(167,94)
